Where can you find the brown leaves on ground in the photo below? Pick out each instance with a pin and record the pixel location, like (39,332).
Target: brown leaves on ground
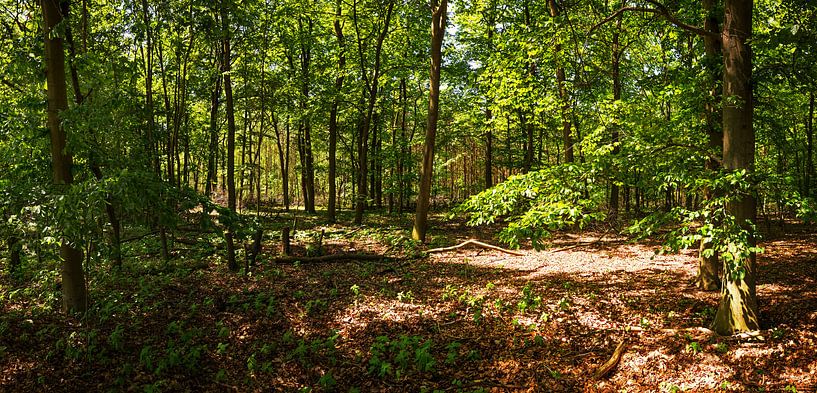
(469,320)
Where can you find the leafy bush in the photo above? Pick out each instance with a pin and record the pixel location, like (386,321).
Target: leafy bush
(537,203)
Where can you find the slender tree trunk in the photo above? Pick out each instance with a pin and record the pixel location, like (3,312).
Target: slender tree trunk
(226,67)
(810,189)
(307,157)
(74,292)
(616,72)
(489,135)
(738,310)
(333,115)
(438,20)
(212,167)
(14,246)
(79,98)
(283,158)
(560,83)
(401,159)
(709,268)
(371,90)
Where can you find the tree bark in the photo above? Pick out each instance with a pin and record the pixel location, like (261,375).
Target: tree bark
(616,72)
(709,268)
(370,90)
(333,115)
(212,167)
(438,20)
(74,292)
(738,310)
(230,112)
(308,160)
(810,190)
(283,157)
(560,83)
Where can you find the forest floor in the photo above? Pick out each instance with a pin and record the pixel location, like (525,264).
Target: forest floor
(467,320)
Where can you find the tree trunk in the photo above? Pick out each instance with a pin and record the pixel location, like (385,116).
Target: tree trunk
(308,160)
(738,310)
(616,72)
(810,190)
(438,19)
(230,112)
(212,167)
(74,292)
(283,157)
(116,253)
(333,116)
(560,83)
(371,90)
(709,270)
(401,159)
(153,160)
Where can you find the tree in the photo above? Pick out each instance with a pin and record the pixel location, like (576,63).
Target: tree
(438,19)
(230,112)
(369,97)
(738,311)
(333,113)
(74,292)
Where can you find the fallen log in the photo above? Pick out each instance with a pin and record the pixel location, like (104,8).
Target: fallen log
(329,258)
(611,363)
(476,243)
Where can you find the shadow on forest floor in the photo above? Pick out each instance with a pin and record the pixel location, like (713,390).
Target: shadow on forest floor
(458,321)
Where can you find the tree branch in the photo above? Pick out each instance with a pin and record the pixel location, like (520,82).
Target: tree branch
(12,85)
(660,10)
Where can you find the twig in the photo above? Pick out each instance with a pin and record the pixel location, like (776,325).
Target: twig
(476,243)
(611,363)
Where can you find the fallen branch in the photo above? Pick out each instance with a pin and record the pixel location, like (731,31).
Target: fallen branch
(476,243)
(330,258)
(582,244)
(611,363)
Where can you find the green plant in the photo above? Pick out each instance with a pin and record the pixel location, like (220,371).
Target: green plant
(453,351)
(528,301)
(395,356)
(694,347)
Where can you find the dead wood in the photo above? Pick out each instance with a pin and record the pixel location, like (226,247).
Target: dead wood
(476,243)
(329,258)
(611,363)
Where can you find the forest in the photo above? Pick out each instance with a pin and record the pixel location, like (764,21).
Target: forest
(408,195)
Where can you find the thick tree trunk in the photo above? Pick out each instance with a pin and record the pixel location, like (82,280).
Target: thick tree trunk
(74,292)
(226,67)
(438,20)
(709,268)
(738,310)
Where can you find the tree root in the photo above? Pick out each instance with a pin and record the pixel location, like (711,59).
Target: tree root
(611,363)
(476,243)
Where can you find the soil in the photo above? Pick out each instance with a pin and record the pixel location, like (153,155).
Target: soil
(467,320)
